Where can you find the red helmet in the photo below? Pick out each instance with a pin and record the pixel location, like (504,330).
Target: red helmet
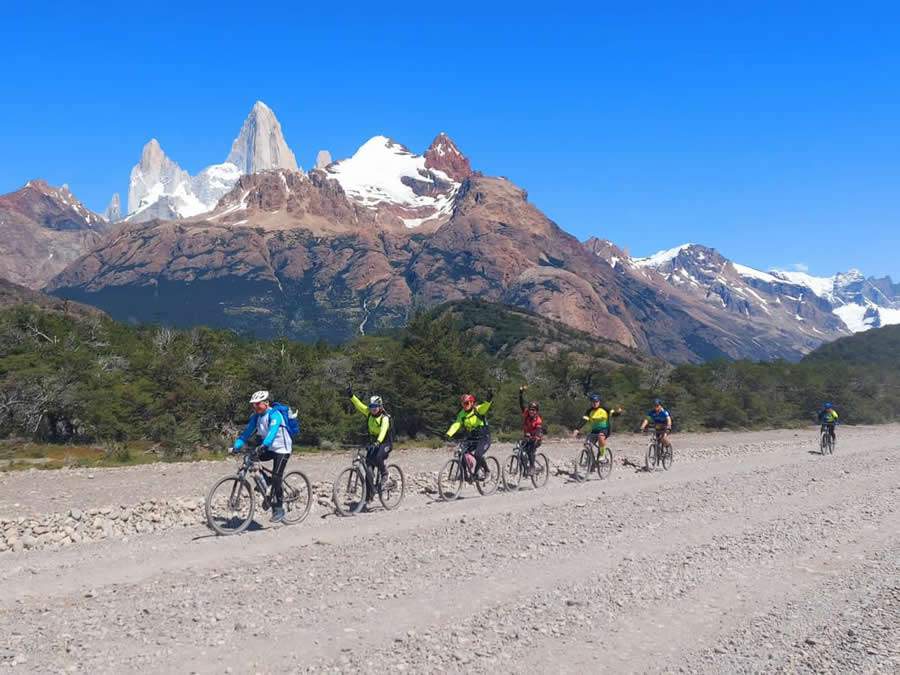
(466,399)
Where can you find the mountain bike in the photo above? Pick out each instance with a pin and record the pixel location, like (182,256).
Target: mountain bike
(826,440)
(456,472)
(657,453)
(590,460)
(518,466)
(350,492)
(231,501)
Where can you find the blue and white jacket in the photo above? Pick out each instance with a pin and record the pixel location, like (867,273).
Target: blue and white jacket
(271,428)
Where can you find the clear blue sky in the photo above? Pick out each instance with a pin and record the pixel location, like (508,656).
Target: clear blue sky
(769,132)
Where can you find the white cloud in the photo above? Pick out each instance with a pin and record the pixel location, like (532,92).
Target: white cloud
(800,267)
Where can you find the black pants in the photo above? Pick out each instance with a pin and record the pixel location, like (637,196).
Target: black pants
(376,457)
(830,428)
(479,446)
(530,445)
(279,462)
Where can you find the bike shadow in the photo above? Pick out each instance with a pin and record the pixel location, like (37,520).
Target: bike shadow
(252,527)
(638,468)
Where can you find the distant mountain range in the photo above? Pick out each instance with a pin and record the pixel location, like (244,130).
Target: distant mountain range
(356,245)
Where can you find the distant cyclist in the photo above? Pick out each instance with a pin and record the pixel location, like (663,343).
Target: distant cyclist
(828,417)
(600,419)
(275,444)
(380,435)
(532,428)
(661,420)
(472,420)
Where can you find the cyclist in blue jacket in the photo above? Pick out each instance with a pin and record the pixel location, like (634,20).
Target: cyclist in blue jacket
(276,445)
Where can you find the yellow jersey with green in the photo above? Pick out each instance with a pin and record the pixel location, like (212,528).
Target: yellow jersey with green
(471,421)
(378,426)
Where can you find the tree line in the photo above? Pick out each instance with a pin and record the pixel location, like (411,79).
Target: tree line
(66,378)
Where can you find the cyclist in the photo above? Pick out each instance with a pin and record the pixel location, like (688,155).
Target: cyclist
(600,418)
(478,435)
(275,444)
(661,420)
(380,435)
(532,427)
(828,417)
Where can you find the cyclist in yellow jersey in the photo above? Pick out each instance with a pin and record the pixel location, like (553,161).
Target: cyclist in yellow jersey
(828,417)
(472,420)
(378,423)
(600,418)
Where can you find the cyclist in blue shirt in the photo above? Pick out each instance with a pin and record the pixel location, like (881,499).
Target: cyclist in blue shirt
(661,420)
(276,445)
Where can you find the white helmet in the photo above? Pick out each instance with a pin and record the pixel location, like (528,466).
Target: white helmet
(260,396)
(376,401)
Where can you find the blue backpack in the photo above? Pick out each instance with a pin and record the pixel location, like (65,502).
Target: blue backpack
(291,419)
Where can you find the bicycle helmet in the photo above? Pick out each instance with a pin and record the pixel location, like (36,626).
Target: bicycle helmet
(376,402)
(828,406)
(534,406)
(657,401)
(467,399)
(595,398)
(259,396)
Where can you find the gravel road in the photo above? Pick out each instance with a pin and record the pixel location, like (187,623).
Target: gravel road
(753,553)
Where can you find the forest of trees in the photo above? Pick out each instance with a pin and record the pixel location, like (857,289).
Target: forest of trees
(72,378)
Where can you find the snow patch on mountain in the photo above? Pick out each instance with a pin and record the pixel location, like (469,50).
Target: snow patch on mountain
(383,172)
(660,258)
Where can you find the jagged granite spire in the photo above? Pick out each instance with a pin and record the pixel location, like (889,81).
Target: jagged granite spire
(260,146)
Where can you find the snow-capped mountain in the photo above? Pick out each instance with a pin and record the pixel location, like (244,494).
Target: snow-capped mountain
(385,176)
(160,189)
(857,302)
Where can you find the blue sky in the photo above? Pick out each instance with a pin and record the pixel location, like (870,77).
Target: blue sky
(770,131)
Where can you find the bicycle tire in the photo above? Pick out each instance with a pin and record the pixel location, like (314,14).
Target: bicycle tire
(604,464)
(652,456)
(489,486)
(450,480)
(668,456)
(349,491)
(391,497)
(512,472)
(297,497)
(583,465)
(243,496)
(541,473)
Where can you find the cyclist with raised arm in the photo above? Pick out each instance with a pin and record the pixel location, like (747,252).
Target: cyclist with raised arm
(378,423)
(828,417)
(661,420)
(532,428)
(600,419)
(471,419)
(275,444)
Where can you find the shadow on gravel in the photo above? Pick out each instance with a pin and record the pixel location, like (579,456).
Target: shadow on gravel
(252,527)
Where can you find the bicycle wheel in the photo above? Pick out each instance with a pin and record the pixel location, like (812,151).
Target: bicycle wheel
(391,494)
(512,472)
(450,480)
(349,491)
(541,472)
(297,497)
(489,485)
(823,449)
(230,505)
(605,463)
(583,465)
(831,445)
(668,456)
(652,456)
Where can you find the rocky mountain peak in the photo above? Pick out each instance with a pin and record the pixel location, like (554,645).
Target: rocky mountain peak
(153,176)
(323,159)
(113,212)
(260,145)
(444,155)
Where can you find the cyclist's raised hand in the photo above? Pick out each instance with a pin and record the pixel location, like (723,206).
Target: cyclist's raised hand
(349,390)
(523,387)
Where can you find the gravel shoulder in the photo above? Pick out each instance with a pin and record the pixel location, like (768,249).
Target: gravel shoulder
(753,553)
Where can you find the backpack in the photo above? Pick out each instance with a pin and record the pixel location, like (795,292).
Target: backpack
(291,419)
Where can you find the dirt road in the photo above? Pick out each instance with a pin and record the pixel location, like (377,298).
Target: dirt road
(751,554)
